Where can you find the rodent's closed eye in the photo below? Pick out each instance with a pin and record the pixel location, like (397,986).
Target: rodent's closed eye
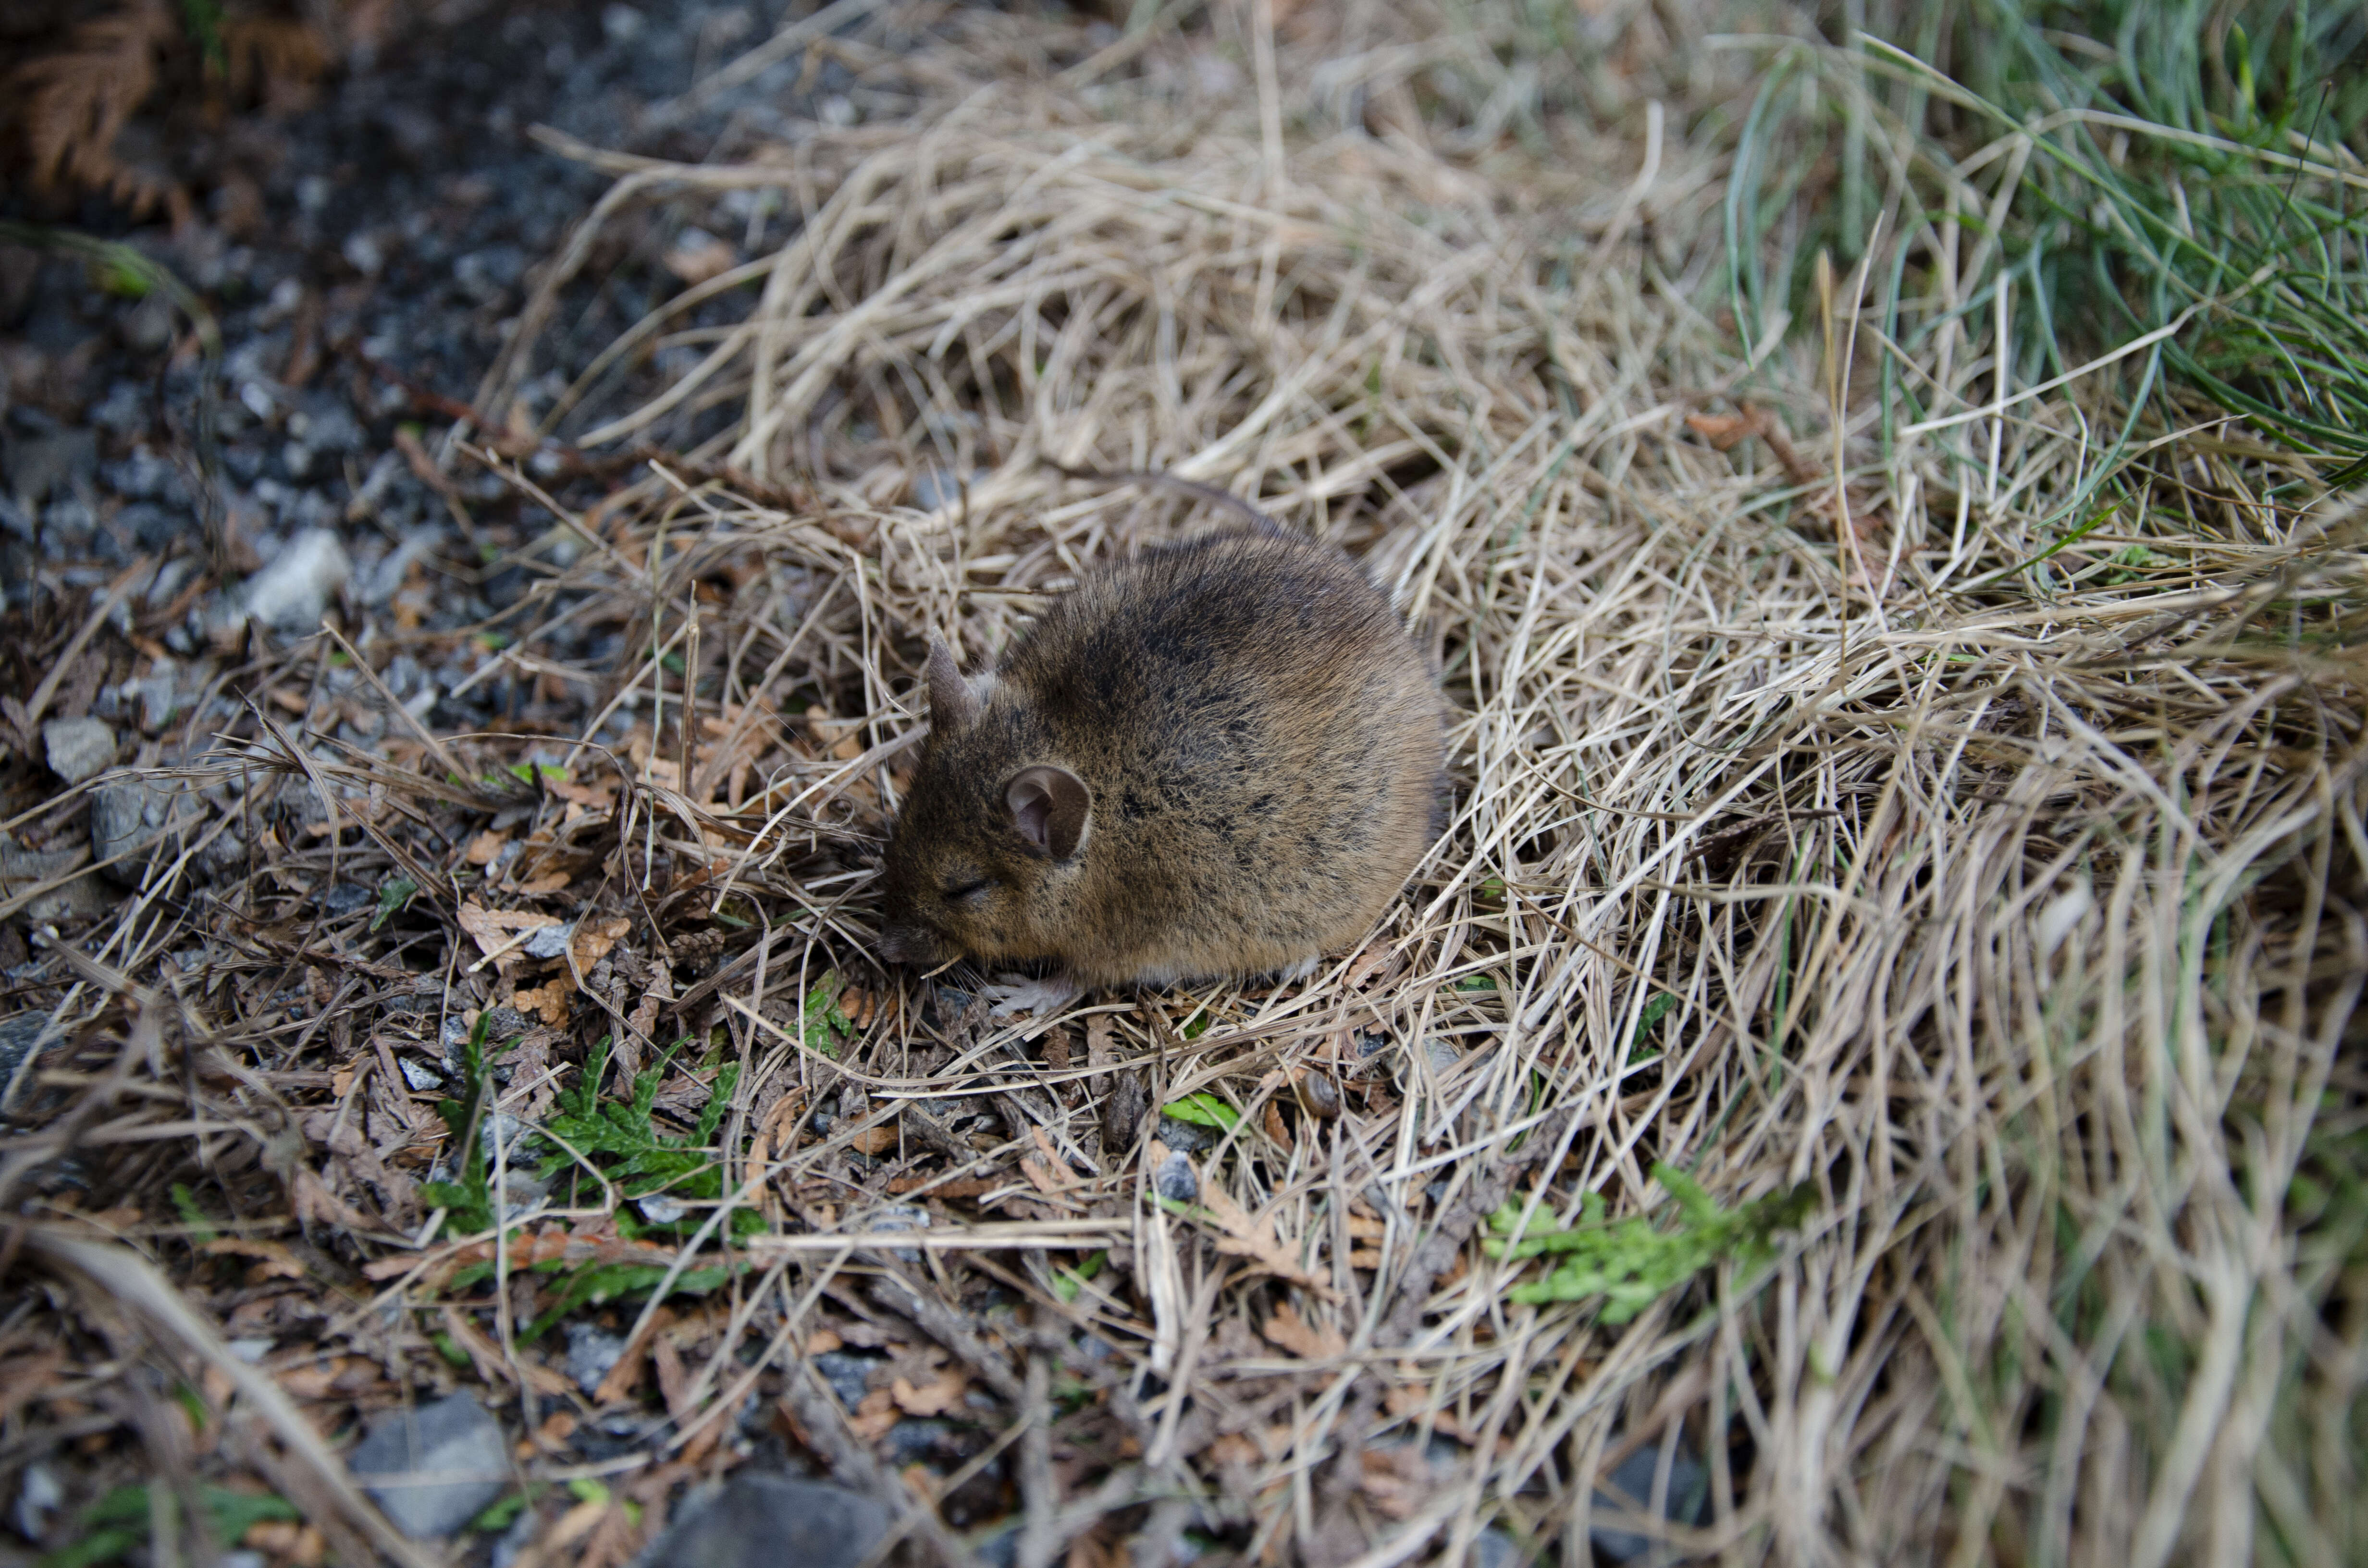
(954,892)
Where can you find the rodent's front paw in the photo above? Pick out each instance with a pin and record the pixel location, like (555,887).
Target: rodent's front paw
(1042,997)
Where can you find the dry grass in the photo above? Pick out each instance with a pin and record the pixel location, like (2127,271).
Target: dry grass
(2002,886)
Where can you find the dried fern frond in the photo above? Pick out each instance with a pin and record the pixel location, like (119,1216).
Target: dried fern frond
(77,100)
(275,59)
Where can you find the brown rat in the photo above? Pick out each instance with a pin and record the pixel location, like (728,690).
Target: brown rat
(1222,758)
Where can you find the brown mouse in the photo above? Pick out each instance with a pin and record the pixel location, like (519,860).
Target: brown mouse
(1219,759)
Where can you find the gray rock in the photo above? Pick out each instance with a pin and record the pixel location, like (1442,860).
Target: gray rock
(660,1209)
(769,1521)
(124,410)
(592,1354)
(127,814)
(512,1543)
(1191,1137)
(1687,1503)
(78,748)
(934,487)
(849,1374)
(39,464)
(292,590)
(18,1033)
(81,899)
(506,1024)
(39,1495)
(1174,1181)
(549,941)
(345,898)
(433,1467)
(914,1439)
(1492,1547)
(895,1216)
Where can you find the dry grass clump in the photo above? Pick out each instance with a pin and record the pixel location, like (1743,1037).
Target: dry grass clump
(1944,926)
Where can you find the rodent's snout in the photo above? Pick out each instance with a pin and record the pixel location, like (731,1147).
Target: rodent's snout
(911,944)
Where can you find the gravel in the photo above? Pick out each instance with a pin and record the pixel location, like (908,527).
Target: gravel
(435,1467)
(1175,1180)
(767,1521)
(292,592)
(125,815)
(1686,1501)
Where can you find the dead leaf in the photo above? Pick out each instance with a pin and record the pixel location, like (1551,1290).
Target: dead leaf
(24,1379)
(1393,1479)
(548,1001)
(842,738)
(1275,1128)
(594,936)
(485,849)
(576,1524)
(874,1140)
(627,1373)
(1723,431)
(497,930)
(699,256)
(930,1399)
(674,1381)
(272,1260)
(875,1415)
(960,1187)
(604,793)
(1234,1449)
(1255,1239)
(1049,1174)
(550,881)
(336,1374)
(1308,1341)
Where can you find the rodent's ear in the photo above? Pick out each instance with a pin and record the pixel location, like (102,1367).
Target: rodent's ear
(1049,806)
(952,703)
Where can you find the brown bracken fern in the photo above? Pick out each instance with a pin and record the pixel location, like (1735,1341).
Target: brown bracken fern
(74,100)
(77,99)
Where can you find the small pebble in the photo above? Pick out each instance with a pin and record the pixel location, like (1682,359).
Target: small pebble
(124,815)
(1686,1502)
(771,1521)
(38,1493)
(78,748)
(549,941)
(451,1439)
(592,1353)
(295,589)
(848,1373)
(1174,1181)
(1189,1137)
(660,1209)
(345,898)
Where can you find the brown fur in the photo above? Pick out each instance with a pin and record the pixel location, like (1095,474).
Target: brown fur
(1261,743)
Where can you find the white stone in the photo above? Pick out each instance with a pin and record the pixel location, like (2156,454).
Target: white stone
(295,589)
(78,748)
